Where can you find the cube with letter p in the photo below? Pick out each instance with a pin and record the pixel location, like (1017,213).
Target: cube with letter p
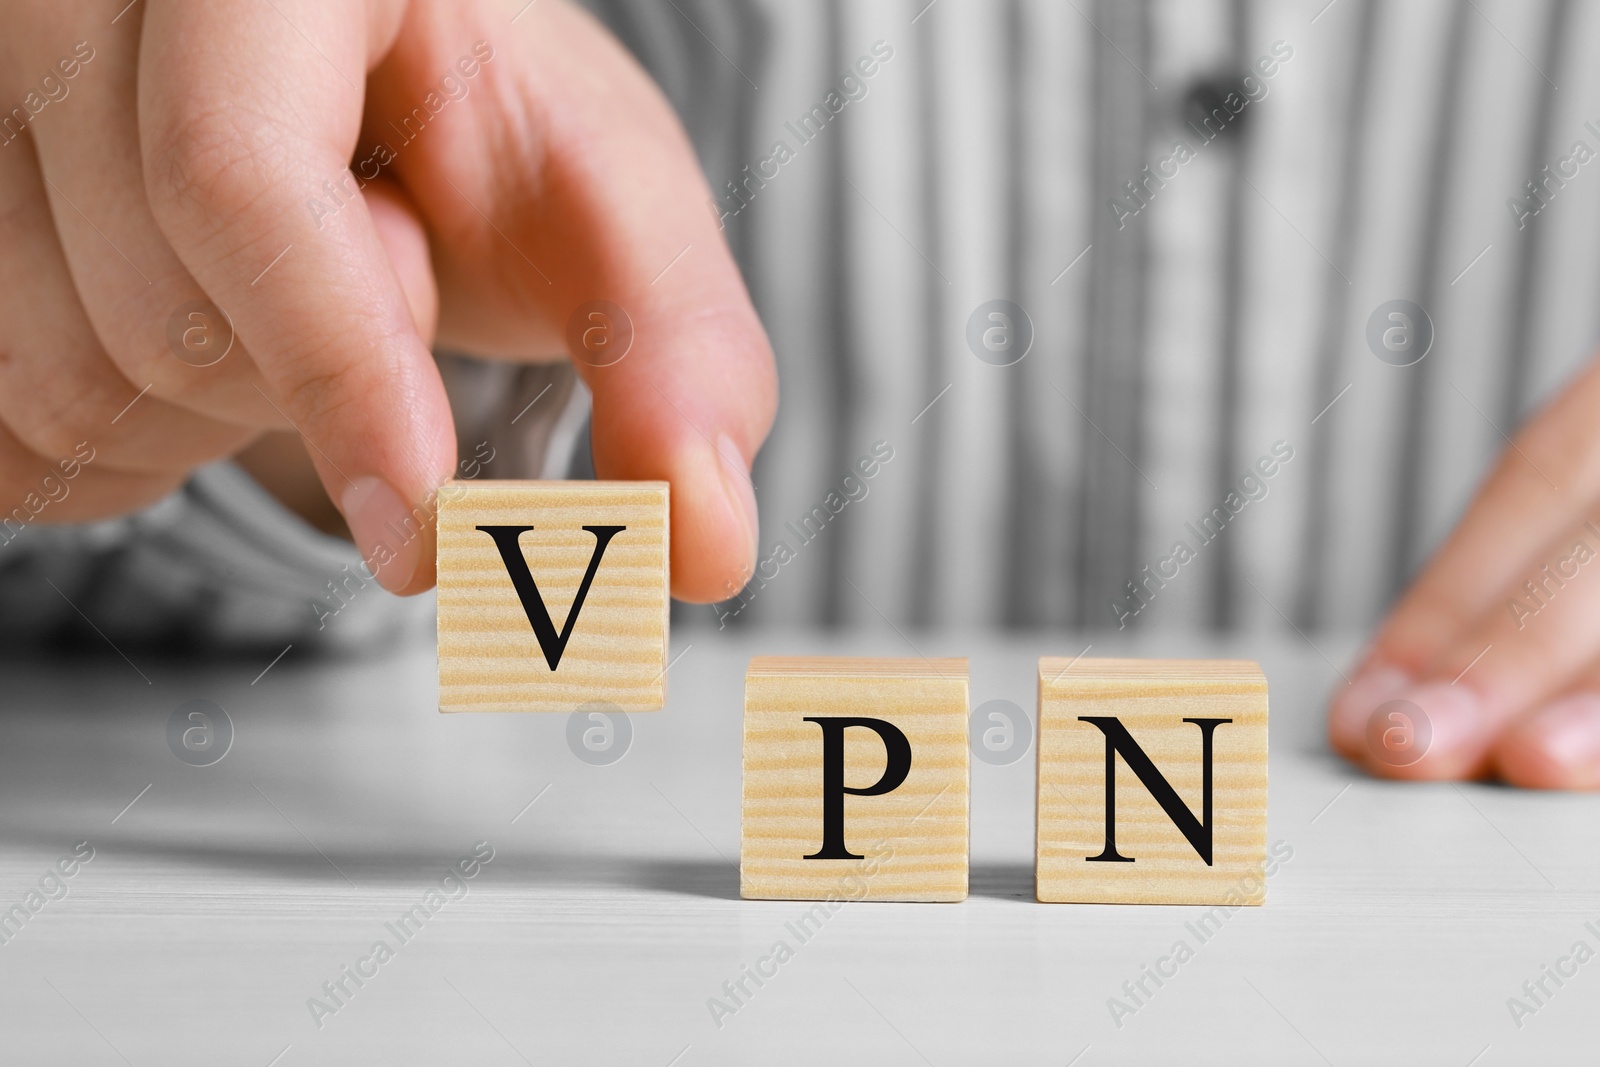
(855,779)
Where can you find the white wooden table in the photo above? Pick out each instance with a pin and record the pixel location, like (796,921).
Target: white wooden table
(224,897)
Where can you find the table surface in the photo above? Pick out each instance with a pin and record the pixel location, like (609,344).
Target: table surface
(221,899)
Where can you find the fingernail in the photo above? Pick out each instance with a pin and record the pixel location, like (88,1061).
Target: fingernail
(385,529)
(1355,703)
(1451,731)
(1569,731)
(741,491)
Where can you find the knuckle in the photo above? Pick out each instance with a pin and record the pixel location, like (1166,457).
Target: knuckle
(211,164)
(49,425)
(324,379)
(318,396)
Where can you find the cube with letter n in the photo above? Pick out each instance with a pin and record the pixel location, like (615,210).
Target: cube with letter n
(855,779)
(553,595)
(1152,781)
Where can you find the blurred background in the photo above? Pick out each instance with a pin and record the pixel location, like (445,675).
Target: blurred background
(1096,314)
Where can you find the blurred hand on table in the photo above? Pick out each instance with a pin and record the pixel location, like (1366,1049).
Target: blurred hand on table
(1494,651)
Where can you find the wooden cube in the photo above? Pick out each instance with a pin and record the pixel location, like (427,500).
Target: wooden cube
(855,779)
(552,595)
(1184,744)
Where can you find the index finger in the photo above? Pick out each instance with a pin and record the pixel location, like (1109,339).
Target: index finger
(246,111)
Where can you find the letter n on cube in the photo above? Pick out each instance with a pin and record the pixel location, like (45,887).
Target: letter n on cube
(1152,783)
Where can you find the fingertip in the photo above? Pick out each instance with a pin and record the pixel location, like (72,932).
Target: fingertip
(425,573)
(1431,732)
(713,524)
(1556,747)
(395,539)
(741,493)
(422,580)
(1351,706)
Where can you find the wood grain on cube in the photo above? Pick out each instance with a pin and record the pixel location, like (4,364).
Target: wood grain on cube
(912,840)
(616,652)
(1151,698)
